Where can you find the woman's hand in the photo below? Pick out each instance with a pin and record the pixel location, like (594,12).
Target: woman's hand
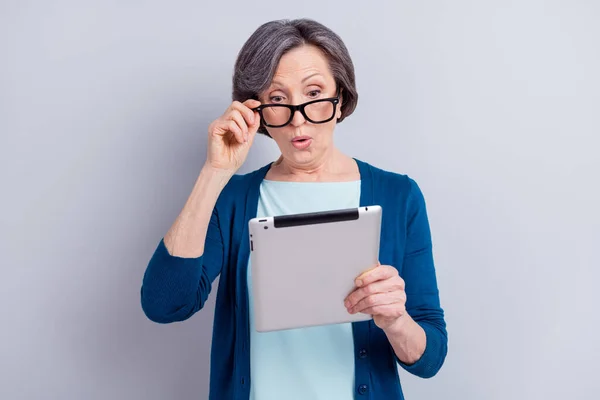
(379,292)
(231,135)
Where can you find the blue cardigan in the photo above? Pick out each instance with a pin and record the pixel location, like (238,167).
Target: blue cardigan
(175,288)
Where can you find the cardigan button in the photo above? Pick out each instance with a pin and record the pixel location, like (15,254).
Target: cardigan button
(362,389)
(362,353)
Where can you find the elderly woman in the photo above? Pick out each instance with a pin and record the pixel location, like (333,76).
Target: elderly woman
(294,81)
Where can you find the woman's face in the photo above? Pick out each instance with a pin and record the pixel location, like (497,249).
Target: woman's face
(303,75)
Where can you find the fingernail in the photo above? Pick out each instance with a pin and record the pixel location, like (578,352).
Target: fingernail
(359,282)
(347,304)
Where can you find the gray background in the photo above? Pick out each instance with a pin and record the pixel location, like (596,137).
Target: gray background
(492,106)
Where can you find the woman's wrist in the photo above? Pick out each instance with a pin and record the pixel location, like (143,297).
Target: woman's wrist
(217,174)
(407,338)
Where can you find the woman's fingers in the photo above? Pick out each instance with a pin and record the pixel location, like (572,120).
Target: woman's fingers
(251,103)
(378,299)
(230,135)
(365,291)
(236,116)
(248,120)
(255,124)
(385,311)
(233,127)
(240,120)
(244,110)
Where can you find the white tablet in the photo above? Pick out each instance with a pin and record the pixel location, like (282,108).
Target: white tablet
(304,265)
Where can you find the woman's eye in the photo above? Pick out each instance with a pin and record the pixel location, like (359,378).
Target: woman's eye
(276,99)
(314,93)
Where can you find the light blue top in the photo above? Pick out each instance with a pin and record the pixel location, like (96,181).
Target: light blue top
(308,363)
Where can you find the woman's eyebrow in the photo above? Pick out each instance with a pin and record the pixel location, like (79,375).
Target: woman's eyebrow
(310,76)
(278,85)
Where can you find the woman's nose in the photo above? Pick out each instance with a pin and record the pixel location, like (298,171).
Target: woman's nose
(298,119)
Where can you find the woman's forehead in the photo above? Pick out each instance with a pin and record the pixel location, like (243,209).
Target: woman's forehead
(300,66)
(302,58)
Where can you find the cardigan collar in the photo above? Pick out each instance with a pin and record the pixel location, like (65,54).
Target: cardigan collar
(366,187)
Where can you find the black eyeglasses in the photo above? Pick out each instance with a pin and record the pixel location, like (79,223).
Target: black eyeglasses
(315,111)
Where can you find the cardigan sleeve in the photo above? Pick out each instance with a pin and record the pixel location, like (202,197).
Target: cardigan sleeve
(174,288)
(422,296)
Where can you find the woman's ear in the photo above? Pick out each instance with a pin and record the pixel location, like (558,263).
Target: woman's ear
(338,113)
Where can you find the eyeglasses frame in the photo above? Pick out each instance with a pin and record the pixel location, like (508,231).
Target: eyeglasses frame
(299,107)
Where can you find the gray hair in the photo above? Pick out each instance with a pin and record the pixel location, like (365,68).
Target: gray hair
(259,57)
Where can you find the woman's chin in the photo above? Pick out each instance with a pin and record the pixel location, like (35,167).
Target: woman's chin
(306,156)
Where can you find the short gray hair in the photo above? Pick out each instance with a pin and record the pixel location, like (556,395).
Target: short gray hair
(259,57)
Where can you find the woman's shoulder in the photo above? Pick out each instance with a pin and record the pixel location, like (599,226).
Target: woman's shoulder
(396,191)
(239,184)
(388,180)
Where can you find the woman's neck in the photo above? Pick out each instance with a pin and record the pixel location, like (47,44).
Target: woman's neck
(334,167)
